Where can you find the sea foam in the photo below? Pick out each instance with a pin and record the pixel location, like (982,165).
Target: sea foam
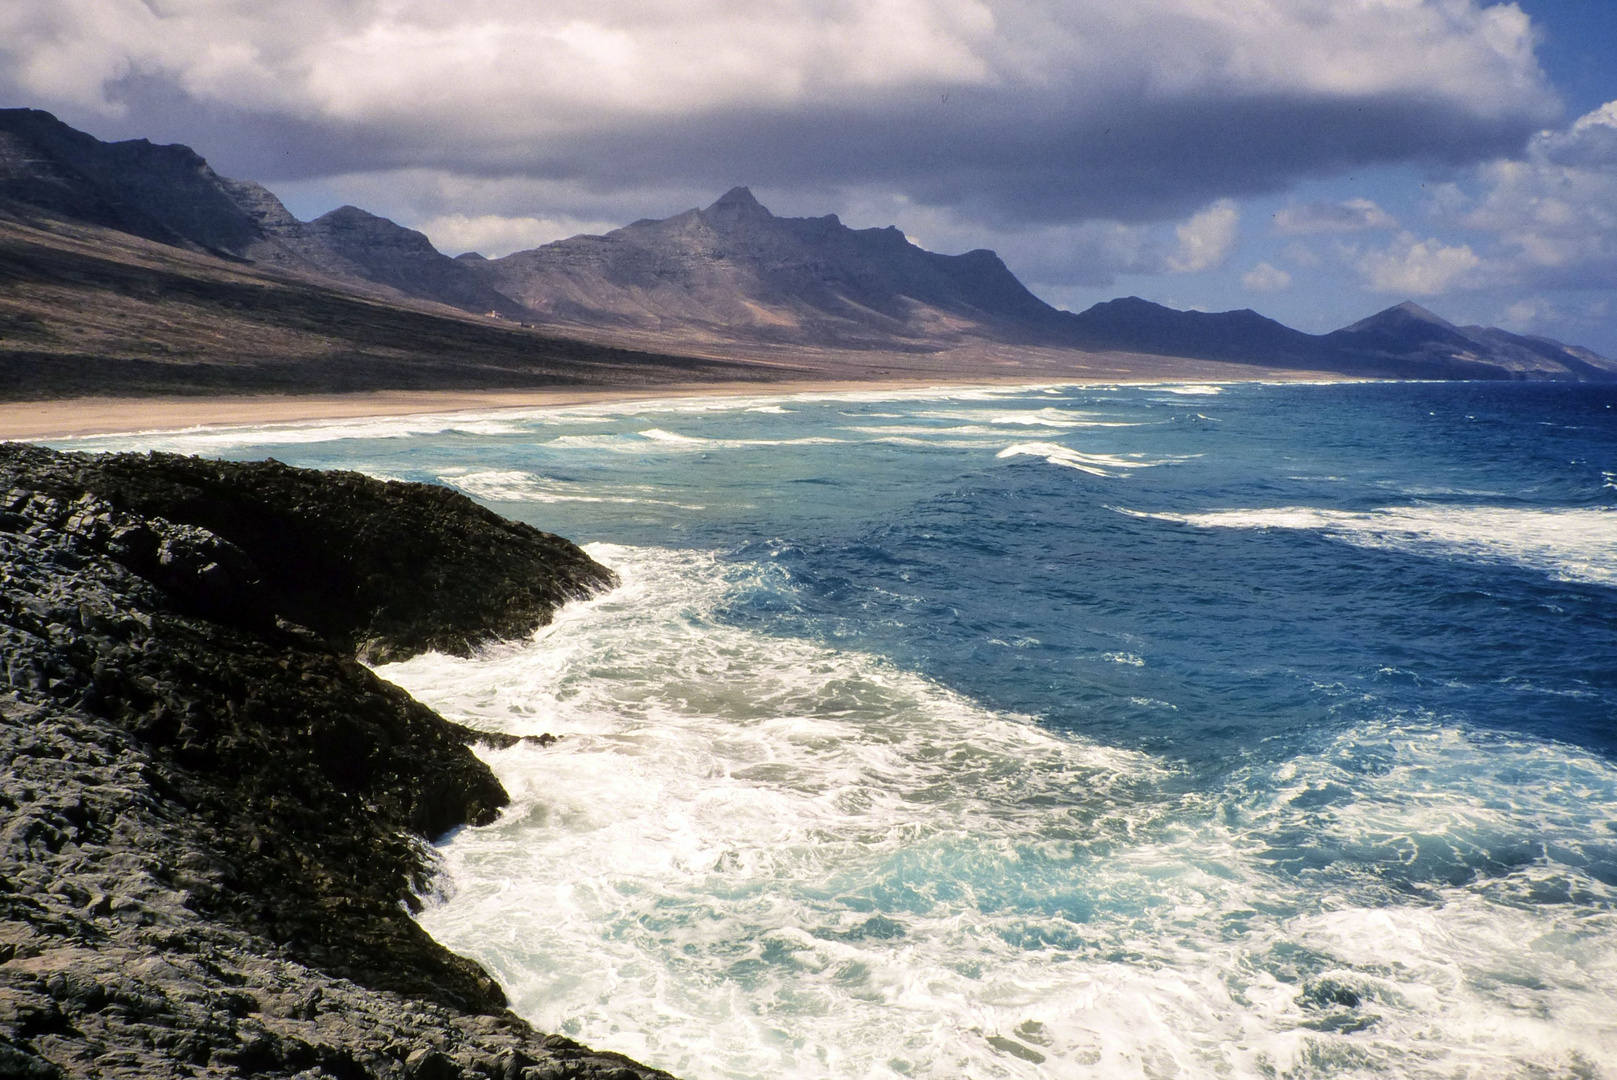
(1569,544)
(754,855)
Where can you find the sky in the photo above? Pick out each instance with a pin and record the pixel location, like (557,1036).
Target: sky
(1316,160)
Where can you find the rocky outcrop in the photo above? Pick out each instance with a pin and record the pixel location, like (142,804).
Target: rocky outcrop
(213,819)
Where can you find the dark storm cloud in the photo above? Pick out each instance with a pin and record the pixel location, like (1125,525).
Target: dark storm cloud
(1012,114)
(1129,160)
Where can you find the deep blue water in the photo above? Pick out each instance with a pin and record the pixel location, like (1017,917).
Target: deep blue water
(1241,730)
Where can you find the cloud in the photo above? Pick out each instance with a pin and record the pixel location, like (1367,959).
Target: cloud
(1266,278)
(494,236)
(1090,253)
(1351,215)
(1591,141)
(1411,267)
(1552,213)
(1056,257)
(487,214)
(1301,255)
(1206,239)
(1017,112)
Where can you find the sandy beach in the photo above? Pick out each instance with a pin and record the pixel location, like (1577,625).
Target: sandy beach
(66,418)
(72,417)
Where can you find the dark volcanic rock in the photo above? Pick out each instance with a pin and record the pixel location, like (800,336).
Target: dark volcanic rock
(387,569)
(213,819)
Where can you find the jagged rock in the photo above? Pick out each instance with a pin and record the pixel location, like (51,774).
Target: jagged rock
(213,819)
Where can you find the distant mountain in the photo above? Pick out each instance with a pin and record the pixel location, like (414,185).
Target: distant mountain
(162,193)
(1403,342)
(1408,339)
(1137,325)
(351,243)
(730,280)
(736,271)
(170,194)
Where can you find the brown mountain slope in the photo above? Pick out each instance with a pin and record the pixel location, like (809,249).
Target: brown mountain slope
(131,267)
(90,310)
(734,272)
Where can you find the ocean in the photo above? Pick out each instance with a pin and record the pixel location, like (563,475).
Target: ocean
(1136,731)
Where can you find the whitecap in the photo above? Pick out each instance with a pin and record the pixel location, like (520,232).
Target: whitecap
(206,439)
(1569,544)
(518,486)
(1095,464)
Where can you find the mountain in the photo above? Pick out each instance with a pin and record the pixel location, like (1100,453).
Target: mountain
(351,243)
(1403,342)
(162,193)
(171,195)
(734,271)
(128,268)
(731,282)
(1407,338)
(1138,325)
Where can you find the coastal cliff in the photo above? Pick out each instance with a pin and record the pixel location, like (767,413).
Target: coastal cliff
(213,817)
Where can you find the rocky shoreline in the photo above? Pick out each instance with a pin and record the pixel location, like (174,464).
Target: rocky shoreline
(213,817)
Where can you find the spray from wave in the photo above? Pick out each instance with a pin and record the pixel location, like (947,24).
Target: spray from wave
(751,855)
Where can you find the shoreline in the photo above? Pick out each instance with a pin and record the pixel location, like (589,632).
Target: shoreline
(231,893)
(70,418)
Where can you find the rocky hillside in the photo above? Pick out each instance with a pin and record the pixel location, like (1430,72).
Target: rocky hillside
(730,281)
(170,194)
(1408,339)
(89,310)
(734,270)
(212,817)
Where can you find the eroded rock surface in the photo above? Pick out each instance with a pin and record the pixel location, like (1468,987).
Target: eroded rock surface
(213,819)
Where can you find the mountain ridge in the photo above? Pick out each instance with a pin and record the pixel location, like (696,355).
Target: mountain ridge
(733,267)
(729,280)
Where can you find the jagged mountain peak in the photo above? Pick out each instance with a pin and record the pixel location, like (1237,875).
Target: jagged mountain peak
(732,274)
(734,271)
(739,200)
(349,212)
(362,225)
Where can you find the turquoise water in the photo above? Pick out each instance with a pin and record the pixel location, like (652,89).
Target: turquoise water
(1188,731)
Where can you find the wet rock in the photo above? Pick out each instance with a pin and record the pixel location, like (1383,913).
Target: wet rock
(213,818)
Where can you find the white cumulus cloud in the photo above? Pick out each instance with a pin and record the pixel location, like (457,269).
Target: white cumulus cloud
(1411,267)
(1265,277)
(1554,211)
(1206,239)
